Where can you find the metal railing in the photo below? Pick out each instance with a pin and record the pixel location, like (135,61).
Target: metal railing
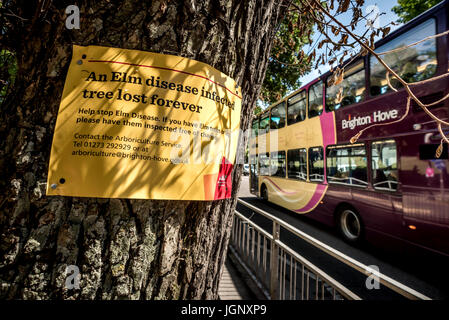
(347,181)
(284,274)
(392,185)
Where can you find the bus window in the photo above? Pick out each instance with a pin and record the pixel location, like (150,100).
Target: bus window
(412,64)
(347,165)
(277,119)
(316,164)
(264,124)
(297,164)
(351,90)
(278,164)
(296,108)
(255,128)
(384,165)
(264,164)
(316,99)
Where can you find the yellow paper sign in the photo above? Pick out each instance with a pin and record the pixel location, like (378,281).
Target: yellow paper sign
(143,125)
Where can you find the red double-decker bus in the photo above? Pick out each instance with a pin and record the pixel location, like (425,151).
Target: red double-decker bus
(389,184)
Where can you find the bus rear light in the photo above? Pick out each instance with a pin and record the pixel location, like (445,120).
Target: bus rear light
(412,227)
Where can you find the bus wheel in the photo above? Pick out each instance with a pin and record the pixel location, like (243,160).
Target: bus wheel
(264,192)
(350,225)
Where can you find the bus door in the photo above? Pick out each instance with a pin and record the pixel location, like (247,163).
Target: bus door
(383,199)
(253,174)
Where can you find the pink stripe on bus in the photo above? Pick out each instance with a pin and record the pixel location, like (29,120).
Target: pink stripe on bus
(319,192)
(328,128)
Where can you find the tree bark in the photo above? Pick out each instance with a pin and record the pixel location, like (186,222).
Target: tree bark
(124,249)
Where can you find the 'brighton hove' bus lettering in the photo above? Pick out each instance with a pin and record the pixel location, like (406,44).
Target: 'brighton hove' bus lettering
(377,116)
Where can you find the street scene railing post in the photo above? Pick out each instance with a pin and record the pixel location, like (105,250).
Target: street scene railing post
(274,263)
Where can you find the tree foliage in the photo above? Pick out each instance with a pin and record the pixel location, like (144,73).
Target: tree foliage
(8,70)
(408,9)
(287,61)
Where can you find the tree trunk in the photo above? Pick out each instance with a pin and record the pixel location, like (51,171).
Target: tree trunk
(124,249)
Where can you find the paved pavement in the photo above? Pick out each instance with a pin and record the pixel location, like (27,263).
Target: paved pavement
(244,188)
(232,285)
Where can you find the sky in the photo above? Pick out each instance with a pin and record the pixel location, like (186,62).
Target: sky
(380,6)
